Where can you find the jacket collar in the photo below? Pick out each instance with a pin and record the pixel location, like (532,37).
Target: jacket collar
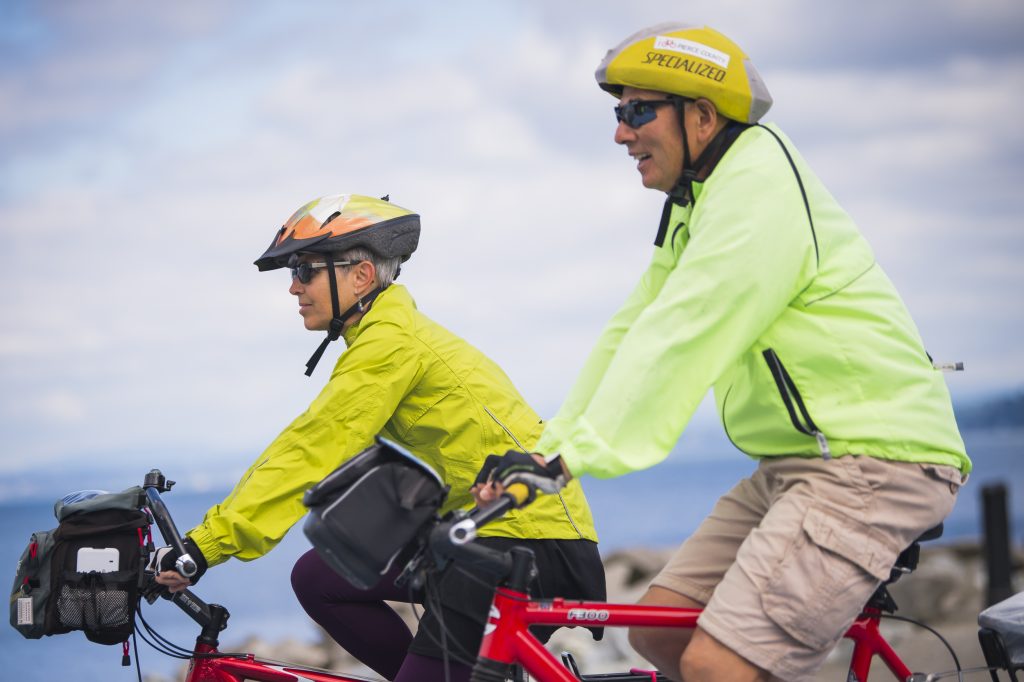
(394,297)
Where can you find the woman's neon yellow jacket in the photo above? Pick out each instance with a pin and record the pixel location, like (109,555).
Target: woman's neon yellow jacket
(407,378)
(807,345)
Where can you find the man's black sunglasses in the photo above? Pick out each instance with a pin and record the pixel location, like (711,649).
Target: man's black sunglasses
(637,112)
(304,271)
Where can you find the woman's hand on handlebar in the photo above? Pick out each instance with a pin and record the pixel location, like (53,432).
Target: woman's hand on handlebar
(167,565)
(173,581)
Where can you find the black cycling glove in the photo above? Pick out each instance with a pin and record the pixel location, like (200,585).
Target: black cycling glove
(165,559)
(515,466)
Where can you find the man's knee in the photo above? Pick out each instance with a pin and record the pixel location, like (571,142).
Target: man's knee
(662,646)
(708,659)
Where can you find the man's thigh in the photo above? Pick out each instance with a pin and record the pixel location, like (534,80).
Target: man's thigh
(700,563)
(831,536)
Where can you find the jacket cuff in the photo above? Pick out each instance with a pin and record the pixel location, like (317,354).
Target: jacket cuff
(207,545)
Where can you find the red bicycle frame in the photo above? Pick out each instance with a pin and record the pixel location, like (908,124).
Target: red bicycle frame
(236,669)
(508,641)
(207,664)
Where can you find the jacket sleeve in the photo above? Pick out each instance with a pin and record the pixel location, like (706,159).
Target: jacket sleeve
(750,252)
(369,381)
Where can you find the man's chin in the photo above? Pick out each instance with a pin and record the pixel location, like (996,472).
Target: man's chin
(654,183)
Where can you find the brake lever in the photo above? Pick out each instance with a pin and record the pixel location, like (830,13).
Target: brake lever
(154,590)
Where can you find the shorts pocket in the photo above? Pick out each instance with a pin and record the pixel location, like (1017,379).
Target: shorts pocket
(946,474)
(832,568)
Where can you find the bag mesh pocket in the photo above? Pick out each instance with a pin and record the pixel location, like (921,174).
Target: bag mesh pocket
(93,608)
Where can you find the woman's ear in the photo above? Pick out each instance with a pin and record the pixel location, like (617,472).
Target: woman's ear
(365,276)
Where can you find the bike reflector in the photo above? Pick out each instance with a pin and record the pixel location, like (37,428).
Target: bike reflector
(371,508)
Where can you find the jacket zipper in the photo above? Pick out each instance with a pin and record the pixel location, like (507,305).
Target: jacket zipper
(561,499)
(794,403)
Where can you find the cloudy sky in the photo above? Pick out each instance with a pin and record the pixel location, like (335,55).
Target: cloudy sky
(150,151)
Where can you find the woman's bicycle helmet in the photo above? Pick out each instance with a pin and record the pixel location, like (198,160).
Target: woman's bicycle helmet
(333,224)
(689,62)
(341,222)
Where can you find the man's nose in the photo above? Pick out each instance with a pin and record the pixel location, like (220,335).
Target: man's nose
(623,133)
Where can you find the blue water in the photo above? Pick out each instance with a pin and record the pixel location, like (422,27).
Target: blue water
(658,507)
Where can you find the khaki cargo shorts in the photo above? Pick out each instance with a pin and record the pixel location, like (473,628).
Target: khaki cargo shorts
(789,556)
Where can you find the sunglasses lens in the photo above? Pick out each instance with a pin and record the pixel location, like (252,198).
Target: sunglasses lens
(636,113)
(302,272)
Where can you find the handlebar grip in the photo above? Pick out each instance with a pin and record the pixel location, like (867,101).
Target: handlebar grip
(186,565)
(520,493)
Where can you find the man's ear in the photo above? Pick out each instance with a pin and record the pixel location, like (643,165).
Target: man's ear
(708,120)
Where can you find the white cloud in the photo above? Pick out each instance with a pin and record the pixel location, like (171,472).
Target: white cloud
(132,313)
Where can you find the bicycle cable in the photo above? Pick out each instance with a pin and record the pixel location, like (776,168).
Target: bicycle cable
(135,644)
(159,642)
(172,650)
(945,643)
(432,600)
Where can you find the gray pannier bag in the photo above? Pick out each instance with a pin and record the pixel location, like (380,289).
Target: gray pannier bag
(31,591)
(1006,618)
(86,573)
(367,514)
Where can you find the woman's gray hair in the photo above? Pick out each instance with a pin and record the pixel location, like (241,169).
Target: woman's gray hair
(386,268)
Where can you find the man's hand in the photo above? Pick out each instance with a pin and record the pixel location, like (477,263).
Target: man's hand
(499,471)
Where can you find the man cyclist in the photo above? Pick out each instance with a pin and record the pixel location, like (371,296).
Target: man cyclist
(761,287)
(407,378)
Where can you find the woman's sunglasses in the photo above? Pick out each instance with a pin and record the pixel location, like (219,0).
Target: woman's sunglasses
(304,272)
(638,112)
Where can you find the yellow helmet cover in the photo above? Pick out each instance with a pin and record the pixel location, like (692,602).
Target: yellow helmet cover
(689,61)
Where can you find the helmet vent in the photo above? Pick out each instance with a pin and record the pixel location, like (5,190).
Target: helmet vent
(330,218)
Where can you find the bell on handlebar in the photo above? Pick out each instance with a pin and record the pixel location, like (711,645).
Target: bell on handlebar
(155,479)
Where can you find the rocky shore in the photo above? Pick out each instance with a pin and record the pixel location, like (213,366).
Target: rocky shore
(946,592)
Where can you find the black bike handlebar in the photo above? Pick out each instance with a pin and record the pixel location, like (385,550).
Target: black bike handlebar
(452,540)
(211,617)
(155,482)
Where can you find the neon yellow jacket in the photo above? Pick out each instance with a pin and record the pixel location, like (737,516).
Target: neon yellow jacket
(808,346)
(412,381)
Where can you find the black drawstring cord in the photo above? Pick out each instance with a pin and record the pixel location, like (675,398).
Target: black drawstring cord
(682,192)
(333,333)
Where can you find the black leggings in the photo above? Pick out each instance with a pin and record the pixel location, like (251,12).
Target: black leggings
(363,624)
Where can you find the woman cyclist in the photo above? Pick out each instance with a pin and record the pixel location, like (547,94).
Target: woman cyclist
(405,377)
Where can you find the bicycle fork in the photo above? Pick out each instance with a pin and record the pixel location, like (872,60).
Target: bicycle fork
(868,643)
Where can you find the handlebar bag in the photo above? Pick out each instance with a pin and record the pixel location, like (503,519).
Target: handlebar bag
(87,573)
(367,512)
